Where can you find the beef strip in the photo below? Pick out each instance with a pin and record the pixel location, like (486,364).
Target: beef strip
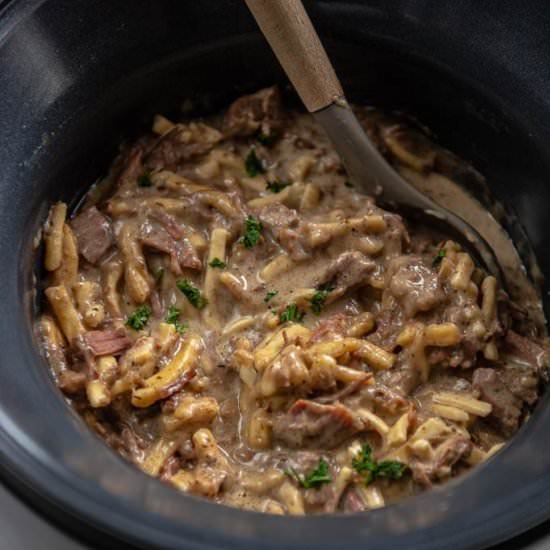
(259,112)
(107,342)
(94,234)
(310,424)
(506,406)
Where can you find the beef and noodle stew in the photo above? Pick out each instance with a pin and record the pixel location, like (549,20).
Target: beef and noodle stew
(228,313)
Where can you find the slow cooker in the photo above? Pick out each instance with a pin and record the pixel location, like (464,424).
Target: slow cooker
(77,77)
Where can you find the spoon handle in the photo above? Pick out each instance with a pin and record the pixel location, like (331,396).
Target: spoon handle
(292,37)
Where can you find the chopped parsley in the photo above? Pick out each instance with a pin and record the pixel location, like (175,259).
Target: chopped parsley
(139,318)
(315,478)
(441,253)
(365,464)
(144,180)
(276,186)
(173,318)
(252,232)
(269,295)
(317,301)
(267,140)
(253,165)
(291,314)
(192,293)
(217,263)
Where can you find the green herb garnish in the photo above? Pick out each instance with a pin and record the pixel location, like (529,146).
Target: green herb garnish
(314,479)
(271,294)
(217,263)
(276,186)
(139,318)
(365,464)
(291,314)
(252,232)
(253,165)
(144,180)
(267,140)
(317,301)
(441,253)
(193,294)
(173,318)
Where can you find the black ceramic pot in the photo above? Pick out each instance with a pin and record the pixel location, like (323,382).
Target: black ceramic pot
(78,75)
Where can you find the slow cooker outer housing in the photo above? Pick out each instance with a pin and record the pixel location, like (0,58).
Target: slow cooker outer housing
(77,76)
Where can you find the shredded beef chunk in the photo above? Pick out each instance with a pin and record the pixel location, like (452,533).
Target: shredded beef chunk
(169,222)
(525,349)
(383,399)
(346,391)
(277,216)
(445,457)
(107,342)
(404,380)
(132,445)
(310,424)
(182,143)
(132,168)
(352,502)
(283,223)
(259,112)
(522,381)
(506,406)
(415,285)
(349,270)
(332,328)
(94,234)
(71,382)
(182,254)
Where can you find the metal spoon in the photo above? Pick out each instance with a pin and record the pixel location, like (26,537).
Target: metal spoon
(291,35)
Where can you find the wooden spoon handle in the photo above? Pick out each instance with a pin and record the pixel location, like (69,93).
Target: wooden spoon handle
(294,41)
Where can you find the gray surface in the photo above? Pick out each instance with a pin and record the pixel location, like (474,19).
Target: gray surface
(22,529)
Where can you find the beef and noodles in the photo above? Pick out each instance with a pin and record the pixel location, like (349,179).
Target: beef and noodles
(228,313)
